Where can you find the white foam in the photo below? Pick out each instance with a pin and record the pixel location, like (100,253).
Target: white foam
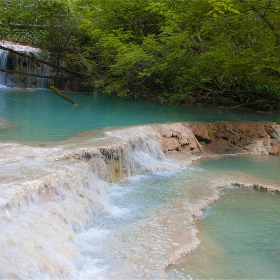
(18,47)
(56,202)
(93,269)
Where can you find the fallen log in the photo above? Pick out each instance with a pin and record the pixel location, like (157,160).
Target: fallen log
(54,89)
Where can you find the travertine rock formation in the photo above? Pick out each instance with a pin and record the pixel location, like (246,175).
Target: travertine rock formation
(223,137)
(178,136)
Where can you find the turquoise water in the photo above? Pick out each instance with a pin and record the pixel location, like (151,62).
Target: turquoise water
(43,116)
(240,232)
(148,213)
(239,239)
(264,167)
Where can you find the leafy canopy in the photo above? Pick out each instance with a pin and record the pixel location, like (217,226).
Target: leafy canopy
(220,52)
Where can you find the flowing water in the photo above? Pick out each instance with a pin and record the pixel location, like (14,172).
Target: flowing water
(63,217)
(3,63)
(13,62)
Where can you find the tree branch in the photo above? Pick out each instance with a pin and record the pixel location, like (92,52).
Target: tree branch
(54,89)
(78,74)
(35,75)
(268,23)
(267,7)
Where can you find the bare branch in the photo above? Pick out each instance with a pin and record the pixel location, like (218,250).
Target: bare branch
(35,75)
(78,74)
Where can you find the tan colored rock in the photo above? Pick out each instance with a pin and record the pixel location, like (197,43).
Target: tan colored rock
(264,147)
(178,136)
(275,147)
(170,144)
(223,137)
(276,131)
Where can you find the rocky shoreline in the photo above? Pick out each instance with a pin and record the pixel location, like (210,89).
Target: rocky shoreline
(223,137)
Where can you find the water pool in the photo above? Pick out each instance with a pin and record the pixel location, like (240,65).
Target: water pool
(240,232)
(41,115)
(239,239)
(85,227)
(263,167)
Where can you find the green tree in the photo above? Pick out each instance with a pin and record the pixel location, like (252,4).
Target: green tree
(185,51)
(219,52)
(51,25)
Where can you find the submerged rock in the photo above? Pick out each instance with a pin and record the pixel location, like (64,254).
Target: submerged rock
(4,124)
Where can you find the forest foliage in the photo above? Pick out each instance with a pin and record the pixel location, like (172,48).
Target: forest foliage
(215,52)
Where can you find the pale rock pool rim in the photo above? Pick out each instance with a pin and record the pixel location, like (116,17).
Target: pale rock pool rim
(239,236)
(51,194)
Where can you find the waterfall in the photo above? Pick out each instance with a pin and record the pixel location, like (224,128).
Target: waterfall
(60,204)
(3,65)
(57,195)
(51,194)
(14,62)
(43,70)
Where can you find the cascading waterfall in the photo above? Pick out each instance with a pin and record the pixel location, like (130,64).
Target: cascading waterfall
(43,70)
(3,65)
(63,212)
(14,62)
(57,195)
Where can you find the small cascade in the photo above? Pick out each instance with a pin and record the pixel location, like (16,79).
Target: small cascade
(110,205)
(52,196)
(58,194)
(43,70)
(3,65)
(14,62)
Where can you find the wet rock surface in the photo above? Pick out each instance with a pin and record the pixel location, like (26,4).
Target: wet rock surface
(179,137)
(225,137)
(53,192)
(197,139)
